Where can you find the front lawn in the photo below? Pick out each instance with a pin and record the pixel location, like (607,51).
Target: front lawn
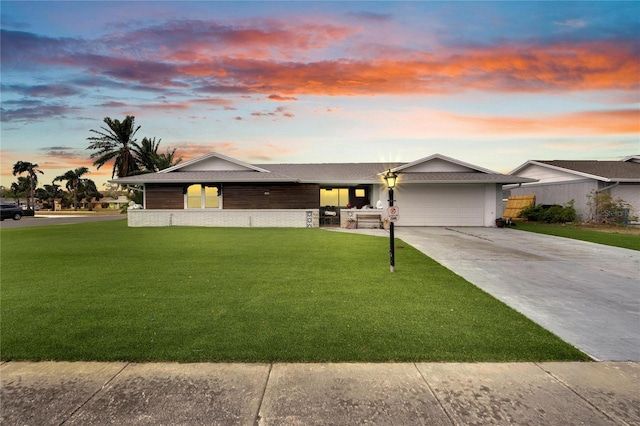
(103,291)
(611,236)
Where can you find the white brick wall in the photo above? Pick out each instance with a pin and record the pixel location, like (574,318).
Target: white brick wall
(225,218)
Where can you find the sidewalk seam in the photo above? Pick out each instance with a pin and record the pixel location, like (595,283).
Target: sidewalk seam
(93,395)
(589,403)
(257,416)
(434,395)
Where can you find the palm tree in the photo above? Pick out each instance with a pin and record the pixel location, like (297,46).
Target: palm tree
(116,142)
(32,170)
(148,158)
(147,154)
(168,159)
(74,181)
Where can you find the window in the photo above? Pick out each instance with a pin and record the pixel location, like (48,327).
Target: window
(338,197)
(361,193)
(202,197)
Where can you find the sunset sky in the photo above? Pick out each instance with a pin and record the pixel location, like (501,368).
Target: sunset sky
(489,83)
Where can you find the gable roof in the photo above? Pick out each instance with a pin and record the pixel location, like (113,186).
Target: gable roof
(607,171)
(632,158)
(207,162)
(440,163)
(217,168)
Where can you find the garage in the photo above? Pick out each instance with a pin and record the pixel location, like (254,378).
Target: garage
(442,205)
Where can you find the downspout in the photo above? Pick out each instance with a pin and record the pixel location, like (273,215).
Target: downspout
(607,187)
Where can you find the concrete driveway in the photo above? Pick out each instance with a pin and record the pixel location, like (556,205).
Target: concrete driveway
(587,294)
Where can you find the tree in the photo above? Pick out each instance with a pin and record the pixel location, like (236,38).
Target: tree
(32,171)
(50,193)
(147,154)
(74,181)
(116,143)
(112,190)
(168,159)
(20,188)
(87,190)
(609,210)
(148,158)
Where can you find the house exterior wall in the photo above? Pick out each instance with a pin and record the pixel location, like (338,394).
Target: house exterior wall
(163,196)
(270,196)
(303,218)
(629,192)
(547,175)
(239,196)
(561,193)
(437,165)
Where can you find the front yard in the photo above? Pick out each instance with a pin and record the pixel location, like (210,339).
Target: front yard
(617,236)
(102,291)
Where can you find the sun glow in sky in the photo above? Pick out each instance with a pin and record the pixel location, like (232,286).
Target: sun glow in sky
(490,83)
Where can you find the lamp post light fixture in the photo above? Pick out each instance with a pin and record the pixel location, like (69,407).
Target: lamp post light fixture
(391,178)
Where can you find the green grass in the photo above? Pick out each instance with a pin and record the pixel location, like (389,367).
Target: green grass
(613,238)
(102,291)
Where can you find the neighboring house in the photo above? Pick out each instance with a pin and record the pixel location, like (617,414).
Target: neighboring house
(215,190)
(560,181)
(109,203)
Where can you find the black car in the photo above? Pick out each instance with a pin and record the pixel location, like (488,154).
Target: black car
(10,211)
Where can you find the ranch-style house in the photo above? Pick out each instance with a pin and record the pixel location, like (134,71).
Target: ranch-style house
(216,190)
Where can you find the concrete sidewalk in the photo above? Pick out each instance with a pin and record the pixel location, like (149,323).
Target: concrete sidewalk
(91,393)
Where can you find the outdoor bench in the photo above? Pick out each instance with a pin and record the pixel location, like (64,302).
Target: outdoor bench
(372,219)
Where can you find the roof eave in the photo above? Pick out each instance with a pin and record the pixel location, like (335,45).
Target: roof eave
(217,180)
(480,181)
(563,169)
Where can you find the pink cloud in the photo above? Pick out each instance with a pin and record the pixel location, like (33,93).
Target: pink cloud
(275,59)
(281,98)
(585,123)
(561,67)
(264,152)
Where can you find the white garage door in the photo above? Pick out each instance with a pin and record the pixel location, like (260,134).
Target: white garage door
(441,205)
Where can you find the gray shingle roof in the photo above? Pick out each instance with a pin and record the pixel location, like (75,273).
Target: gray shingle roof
(332,172)
(611,170)
(206,176)
(450,177)
(321,173)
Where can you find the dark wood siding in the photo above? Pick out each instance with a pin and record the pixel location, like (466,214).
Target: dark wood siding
(241,196)
(280,196)
(159,197)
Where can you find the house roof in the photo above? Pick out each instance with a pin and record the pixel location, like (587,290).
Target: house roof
(216,168)
(607,171)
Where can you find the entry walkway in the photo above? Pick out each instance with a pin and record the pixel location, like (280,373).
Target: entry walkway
(588,294)
(80,393)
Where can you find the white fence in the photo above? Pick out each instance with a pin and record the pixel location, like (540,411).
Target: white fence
(225,218)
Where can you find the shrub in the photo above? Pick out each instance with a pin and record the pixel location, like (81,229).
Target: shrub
(532,213)
(550,214)
(608,210)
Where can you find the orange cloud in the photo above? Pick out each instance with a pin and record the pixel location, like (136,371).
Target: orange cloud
(578,124)
(513,68)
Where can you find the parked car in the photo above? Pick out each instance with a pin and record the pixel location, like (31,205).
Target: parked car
(10,211)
